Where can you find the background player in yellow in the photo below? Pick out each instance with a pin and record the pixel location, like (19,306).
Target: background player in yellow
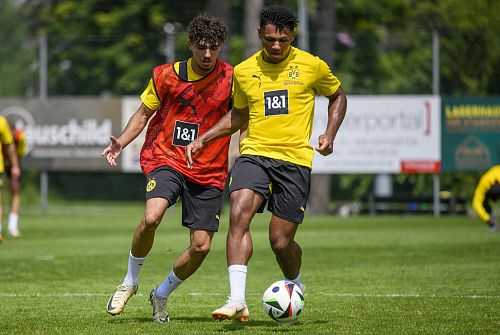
(8,147)
(19,141)
(274,92)
(487,191)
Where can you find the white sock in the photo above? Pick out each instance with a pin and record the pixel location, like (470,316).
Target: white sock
(134,266)
(169,285)
(237,281)
(296,281)
(13,221)
(0,228)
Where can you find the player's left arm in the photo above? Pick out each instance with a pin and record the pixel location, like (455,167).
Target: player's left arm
(337,106)
(12,153)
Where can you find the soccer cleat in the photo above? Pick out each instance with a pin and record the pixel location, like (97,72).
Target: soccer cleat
(160,314)
(232,310)
(117,302)
(302,288)
(14,233)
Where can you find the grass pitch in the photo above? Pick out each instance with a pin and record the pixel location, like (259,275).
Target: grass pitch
(364,275)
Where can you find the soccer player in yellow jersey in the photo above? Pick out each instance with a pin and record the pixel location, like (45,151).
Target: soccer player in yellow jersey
(273,98)
(487,191)
(7,143)
(19,141)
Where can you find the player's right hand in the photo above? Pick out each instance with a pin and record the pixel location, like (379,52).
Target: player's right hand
(113,150)
(191,150)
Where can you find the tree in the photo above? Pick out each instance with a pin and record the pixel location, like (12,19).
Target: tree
(17,53)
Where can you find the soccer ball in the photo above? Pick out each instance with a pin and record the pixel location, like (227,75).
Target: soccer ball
(283,301)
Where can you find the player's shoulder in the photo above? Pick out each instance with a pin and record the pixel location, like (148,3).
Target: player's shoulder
(305,57)
(225,64)
(163,69)
(248,65)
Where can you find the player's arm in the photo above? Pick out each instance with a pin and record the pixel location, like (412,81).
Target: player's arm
(227,125)
(337,106)
(12,153)
(134,127)
(478,200)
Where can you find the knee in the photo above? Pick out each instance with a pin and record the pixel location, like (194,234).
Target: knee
(151,221)
(200,249)
(279,243)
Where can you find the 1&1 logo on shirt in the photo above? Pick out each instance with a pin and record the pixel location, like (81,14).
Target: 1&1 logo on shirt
(184,133)
(275,102)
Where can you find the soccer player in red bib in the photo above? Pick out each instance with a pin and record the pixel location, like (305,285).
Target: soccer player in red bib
(183,100)
(274,92)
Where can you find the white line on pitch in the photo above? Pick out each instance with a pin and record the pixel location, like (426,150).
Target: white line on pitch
(339,295)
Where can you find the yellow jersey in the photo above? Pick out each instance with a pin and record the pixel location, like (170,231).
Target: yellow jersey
(280,98)
(487,180)
(5,139)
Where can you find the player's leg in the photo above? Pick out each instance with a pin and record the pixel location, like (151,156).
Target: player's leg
(184,267)
(1,210)
(142,243)
(144,235)
(239,249)
(287,251)
(201,206)
(162,190)
(291,185)
(15,201)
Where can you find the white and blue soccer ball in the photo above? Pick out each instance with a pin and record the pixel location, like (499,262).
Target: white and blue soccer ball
(283,301)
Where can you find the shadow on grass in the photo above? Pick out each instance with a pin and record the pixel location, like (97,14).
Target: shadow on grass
(272,325)
(115,320)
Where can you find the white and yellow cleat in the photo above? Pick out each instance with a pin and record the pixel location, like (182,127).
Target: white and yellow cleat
(117,302)
(232,310)
(14,233)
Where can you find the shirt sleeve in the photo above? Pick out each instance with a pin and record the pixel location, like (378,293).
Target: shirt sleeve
(240,99)
(478,200)
(326,83)
(149,96)
(5,133)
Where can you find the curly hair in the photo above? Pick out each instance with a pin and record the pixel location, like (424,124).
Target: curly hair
(279,15)
(206,30)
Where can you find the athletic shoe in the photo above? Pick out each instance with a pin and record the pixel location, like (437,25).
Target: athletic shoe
(117,302)
(160,314)
(493,228)
(232,310)
(14,233)
(302,288)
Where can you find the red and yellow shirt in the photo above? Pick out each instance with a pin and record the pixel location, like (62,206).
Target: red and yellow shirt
(187,109)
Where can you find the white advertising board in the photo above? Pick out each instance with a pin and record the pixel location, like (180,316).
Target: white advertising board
(131,154)
(382,134)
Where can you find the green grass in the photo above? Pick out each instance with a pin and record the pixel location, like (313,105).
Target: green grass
(364,275)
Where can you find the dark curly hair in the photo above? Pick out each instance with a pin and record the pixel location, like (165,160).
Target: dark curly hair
(279,15)
(207,30)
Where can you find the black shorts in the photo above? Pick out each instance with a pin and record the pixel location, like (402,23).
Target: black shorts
(201,205)
(285,185)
